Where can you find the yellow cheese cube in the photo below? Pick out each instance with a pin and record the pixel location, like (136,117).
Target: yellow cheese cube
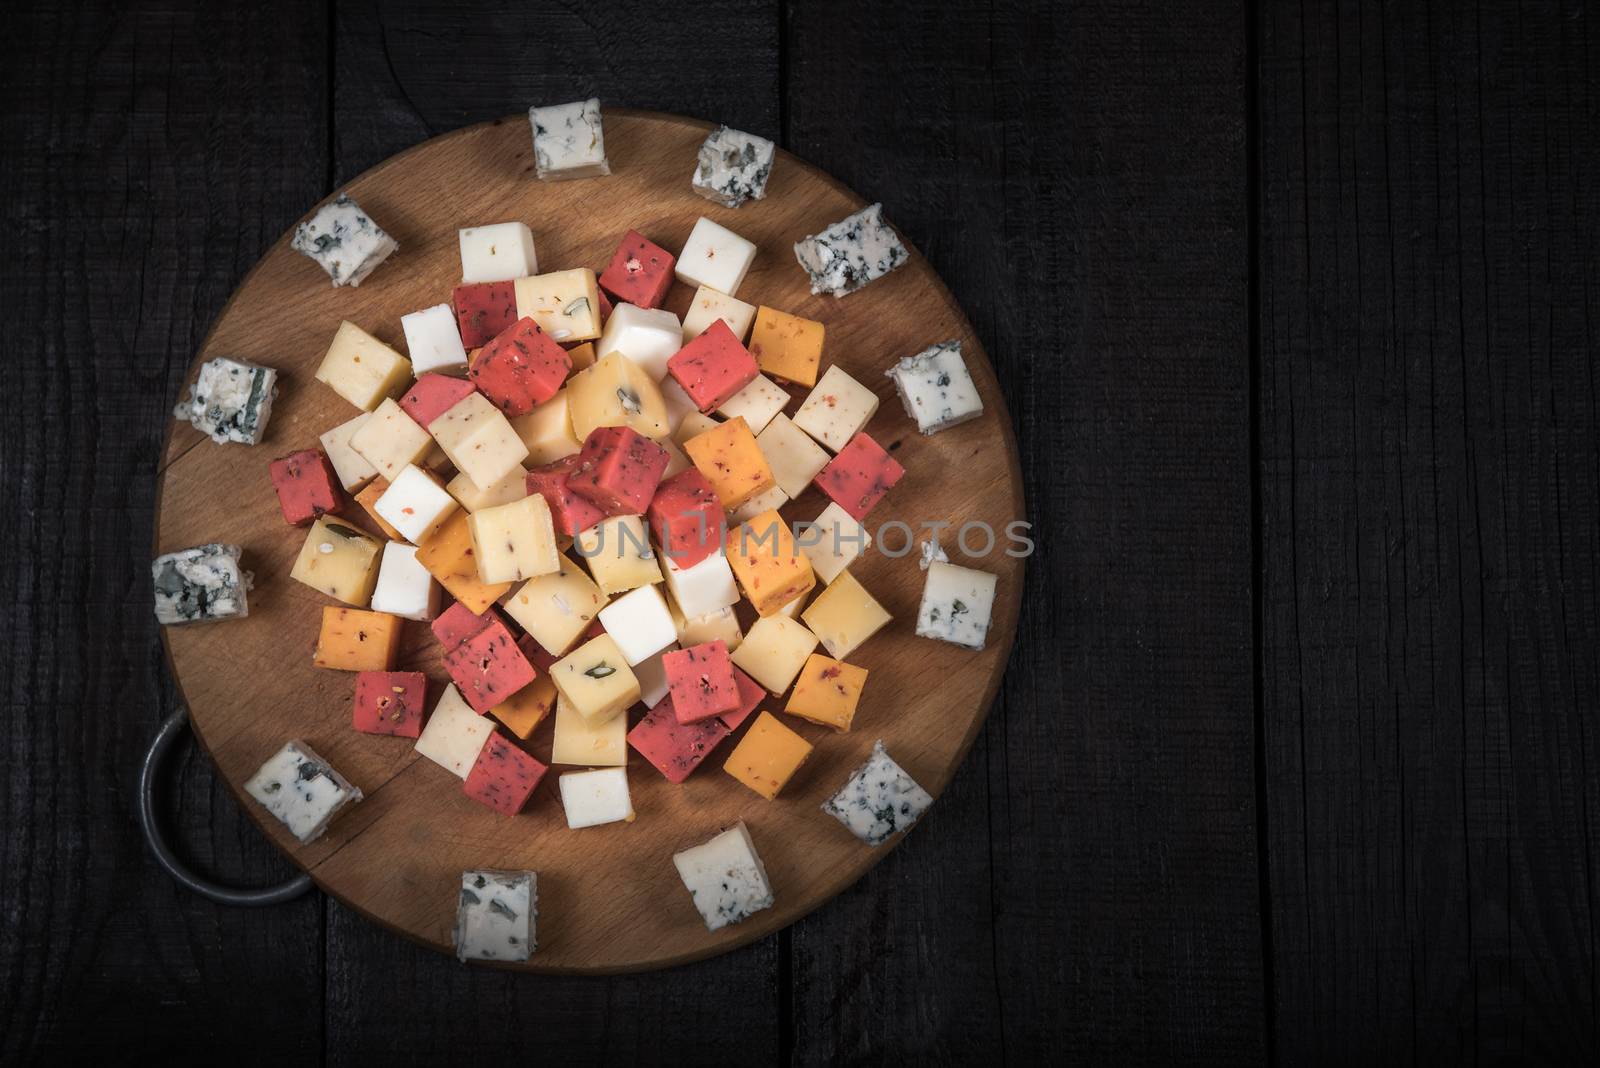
(565,304)
(767,756)
(596,681)
(844,615)
(555,608)
(391,440)
(547,431)
(693,425)
(774,651)
(731,461)
(353,640)
(577,741)
(827,692)
(616,392)
(514,541)
(770,568)
(527,708)
(362,369)
(448,556)
(340,561)
(618,553)
(368,499)
(581,355)
(787,346)
(513,487)
(479,440)
(719,626)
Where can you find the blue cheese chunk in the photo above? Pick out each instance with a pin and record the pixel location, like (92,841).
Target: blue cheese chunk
(200,585)
(301,790)
(344,241)
(231,400)
(725,878)
(935,387)
(851,252)
(497,915)
(878,799)
(956,605)
(568,141)
(733,167)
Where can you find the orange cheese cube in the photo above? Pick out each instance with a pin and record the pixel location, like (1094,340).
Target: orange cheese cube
(728,456)
(449,558)
(787,346)
(527,708)
(770,567)
(768,756)
(827,692)
(356,640)
(368,499)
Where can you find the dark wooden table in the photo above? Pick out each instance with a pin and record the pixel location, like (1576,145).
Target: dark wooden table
(1294,305)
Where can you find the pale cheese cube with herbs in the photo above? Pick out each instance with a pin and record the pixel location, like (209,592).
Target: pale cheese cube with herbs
(733,167)
(725,878)
(344,241)
(936,388)
(836,409)
(497,916)
(956,605)
(353,469)
(708,306)
(301,790)
(498,252)
(851,252)
(879,799)
(454,734)
(231,400)
(200,585)
(568,141)
(714,256)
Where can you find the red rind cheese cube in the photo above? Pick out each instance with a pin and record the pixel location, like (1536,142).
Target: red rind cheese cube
(713,367)
(432,395)
(570,512)
(859,476)
(483,309)
(687,517)
(676,749)
(306,485)
(700,679)
(390,702)
(503,777)
(521,368)
(458,623)
(606,307)
(618,470)
(750,695)
(640,273)
(488,667)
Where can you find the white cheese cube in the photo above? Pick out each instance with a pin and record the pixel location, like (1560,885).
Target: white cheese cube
(956,605)
(774,651)
(652,675)
(353,469)
(568,141)
(759,403)
(639,623)
(301,790)
(695,423)
(415,504)
(935,387)
(405,588)
(878,799)
(836,409)
(647,336)
(708,306)
(721,625)
(200,585)
(342,240)
(679,406)
(851,252)
(794,458)
(733,167)
(231,400)
(702,587)
(677,462)
(714,256)
(497,915)
(592,798)
(433,341)
(454,735)
(578,741)
(508,490)
(725,878)
(832,541)
(497,253)
(765,501)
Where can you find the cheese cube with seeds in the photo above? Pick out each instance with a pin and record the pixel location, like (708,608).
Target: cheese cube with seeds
(728,457)
(514,541)
(616,392)
(769,566)
(498,252)
(837,409)
(479,440)
(787,346)
(757,404)
(390,703)
(362,369)
(715,256)
(340,561)
(449,557)
(508,490)
(827,692)
(710,305)
(769,501)
(344,241)
(596,680)
(693,425)
(565,304)
(355,640)
(569,140)
(390,440)
(301,790)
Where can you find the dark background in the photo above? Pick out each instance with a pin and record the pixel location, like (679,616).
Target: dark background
(1294,307)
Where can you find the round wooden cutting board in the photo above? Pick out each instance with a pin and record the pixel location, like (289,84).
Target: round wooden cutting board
(609,897)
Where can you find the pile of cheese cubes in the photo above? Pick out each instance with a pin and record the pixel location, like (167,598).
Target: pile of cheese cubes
(596,485)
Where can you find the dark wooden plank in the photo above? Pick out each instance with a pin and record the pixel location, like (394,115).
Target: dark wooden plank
(1087,889)
(1429,508)
(151,154)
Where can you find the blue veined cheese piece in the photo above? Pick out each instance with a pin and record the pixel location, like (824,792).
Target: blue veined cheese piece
(301,790)
(733,167)
(878,799)
(231,400)
(568,141)
(725,878)
(497,915)
(200,585)
(935,387)
(956,604)
(851,252)
(344,241)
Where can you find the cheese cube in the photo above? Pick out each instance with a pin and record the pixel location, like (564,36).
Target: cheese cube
(231,400)
(390,440)
(787,346)
(618,470)
(571,512)
(795,459)
(592,798)
(390,702)
(827,692)
(527,708)
(498,252)
(496,916)
(503,777)
(514,541)
(720,625)
(878,799)
(301,790)
(449,557)
(732,167)
(362,369)
(595,680)
(616,392)
(774,650)
(606,307)
(687,518)
(768,564)
(713,367)
(833,541)
(757,403)
(433,342)
(675,749)
(555,608)
(569,140)
(844,615)
(850,253)
(458,623)
(647,336)
(677,462)
(677,402)
(415,504)
(304,482)
(725,878)
(693,425)
(338,560)
(344,241)
(793,608)
(405,588)
(578,741)
(728,457)
(701,681)
(618,553)
(565,304)
(508,490)
(582,356)
(837,409)
(520,369)
(454,735)
(639,624)
(956,605)
(639,274)
(354,640)
(352,468)
(769,501)
(750,697)
(546,432)
(936,388)
(652,675)
(859,476)
(432,395)
(200,585)
(715,256)
(710,306)
(483,310)
(767,757)
(704,587)
(479,440)
(368,500)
